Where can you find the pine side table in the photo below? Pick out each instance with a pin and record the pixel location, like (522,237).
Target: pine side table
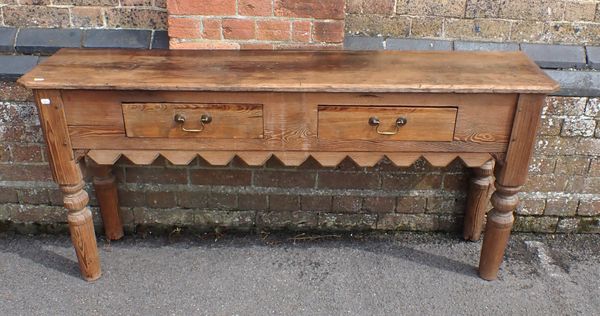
(480,107)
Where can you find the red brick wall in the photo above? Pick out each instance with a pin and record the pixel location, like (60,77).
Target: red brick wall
(255,24)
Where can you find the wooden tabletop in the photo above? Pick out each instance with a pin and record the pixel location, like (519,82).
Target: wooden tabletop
(290,71)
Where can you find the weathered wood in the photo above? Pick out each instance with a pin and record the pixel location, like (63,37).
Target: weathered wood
(105,187)
(290,120)
(291,71)
(81,228)
(226,120)
(292,158)
(103,108)
(67,174)
(217,158)
(289,158)
(83,238)
(104,157)
(497,232)
(329,159)
(474,159)
(179,157)
(366,159)
(520,150)
(255,158)
(422,124)
(141,157)
(511,174)
(403,159)
(290,106)
(56,135)
(81,141)
(440,159)
(479,194)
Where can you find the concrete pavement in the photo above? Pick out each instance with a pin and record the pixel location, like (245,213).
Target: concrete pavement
(361,274)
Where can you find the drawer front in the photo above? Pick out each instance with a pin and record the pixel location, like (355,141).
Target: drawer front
(387,123)
(198,120)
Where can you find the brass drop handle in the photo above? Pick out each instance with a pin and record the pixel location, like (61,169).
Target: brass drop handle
(204,119)
(374,121)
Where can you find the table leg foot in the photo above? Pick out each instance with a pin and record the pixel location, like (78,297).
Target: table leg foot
(497,232)
(477,201)
(82,232)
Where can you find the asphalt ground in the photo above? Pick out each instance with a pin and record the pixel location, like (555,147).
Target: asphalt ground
(353,274)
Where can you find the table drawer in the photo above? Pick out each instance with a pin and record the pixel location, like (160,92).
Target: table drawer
(199,120)
(387,123)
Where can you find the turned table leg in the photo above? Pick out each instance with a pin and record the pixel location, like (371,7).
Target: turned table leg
(105,187)
(67,173)
(511,174)
(477,201)
(81,228)
(497,231)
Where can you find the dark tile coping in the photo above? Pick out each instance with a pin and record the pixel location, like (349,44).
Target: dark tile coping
(12,67)
(577,83)
(363,43)
(556,56)
(18,45)
(7,39)
(417,44)
(573,83)
(160,40)
(555,59)
(485,46)
(117,39)
(45,41)
(551,57)
(593,56)
(547,56)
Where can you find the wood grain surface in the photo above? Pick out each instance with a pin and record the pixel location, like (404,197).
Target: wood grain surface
(288,158)
(95,120)
(522,143)
(227,120)
(477,201)
(351,122)
(290,105)
(291,71)
(105,188)
(56,134)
